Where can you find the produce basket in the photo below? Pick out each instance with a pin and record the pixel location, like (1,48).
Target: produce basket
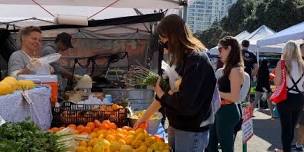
(70,113)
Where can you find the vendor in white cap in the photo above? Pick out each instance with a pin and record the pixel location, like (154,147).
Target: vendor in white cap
(24,61)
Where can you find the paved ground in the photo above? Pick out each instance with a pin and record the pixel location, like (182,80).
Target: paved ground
(266,134)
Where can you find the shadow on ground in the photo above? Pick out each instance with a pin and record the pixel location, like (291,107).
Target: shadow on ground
(268,130)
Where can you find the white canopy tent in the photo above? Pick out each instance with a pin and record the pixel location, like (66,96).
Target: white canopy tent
(165,4)
(260,33)
(22,13)
(240,37)
(294,32)
(127,36)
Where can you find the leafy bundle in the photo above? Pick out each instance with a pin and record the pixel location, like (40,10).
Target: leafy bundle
(27,137)
(139,75)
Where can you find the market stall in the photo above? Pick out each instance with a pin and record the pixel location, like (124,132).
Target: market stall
(95,116)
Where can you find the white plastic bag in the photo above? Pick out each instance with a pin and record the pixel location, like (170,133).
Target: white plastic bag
(41,66)
(50,58)
(172,75)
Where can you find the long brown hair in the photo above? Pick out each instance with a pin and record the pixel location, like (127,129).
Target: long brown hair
(234,58)
(180,38)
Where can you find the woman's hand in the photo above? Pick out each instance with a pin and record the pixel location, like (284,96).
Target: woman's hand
(139,122)
(158,90)
(34,64)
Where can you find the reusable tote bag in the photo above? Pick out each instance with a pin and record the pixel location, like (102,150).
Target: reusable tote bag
(280,93)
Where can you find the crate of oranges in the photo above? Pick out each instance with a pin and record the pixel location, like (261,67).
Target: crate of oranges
(70,113)
(105,136)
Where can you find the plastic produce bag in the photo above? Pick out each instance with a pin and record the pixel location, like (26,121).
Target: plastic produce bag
(50,58)
(41,66)
(174,78)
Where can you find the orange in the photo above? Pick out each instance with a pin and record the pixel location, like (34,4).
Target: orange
(83,133)
(55,129)
(127,128)
(120,136)
(91,125)
(106,121)
(94,135)
(101,136)
(97,123)
(95,129)
(105,126)
(72,126)
(92,142)
(81,149)
(75,132)
(89,149)
(87,129)
(122,141)
(112,125)
(80,128)
(83,143)
(110,137)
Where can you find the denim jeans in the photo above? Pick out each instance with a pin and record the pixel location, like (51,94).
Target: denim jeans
(186,141)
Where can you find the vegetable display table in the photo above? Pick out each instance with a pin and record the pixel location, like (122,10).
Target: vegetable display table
(34,104)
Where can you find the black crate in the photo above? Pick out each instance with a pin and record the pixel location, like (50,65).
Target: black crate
(70,113)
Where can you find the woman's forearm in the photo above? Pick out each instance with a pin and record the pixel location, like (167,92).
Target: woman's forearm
(23,71)
(154,107)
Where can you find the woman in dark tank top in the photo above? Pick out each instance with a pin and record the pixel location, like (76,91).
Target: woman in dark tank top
(229,86)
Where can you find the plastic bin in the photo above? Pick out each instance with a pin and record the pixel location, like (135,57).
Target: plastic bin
(70,113)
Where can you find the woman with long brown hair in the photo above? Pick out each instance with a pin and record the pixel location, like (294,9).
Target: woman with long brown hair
(229,85)
(189,106)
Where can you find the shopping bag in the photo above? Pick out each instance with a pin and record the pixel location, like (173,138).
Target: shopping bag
(280,93)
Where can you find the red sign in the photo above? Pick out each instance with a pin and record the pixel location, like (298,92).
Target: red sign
(247,126)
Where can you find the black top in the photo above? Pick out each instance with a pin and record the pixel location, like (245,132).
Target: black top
(224,84)
(190,106)
(263,80)
(249,60)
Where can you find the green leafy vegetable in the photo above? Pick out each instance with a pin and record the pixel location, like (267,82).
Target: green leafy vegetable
(27,137)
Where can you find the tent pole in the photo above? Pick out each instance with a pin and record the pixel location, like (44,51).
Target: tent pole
(258,55)
(183,10)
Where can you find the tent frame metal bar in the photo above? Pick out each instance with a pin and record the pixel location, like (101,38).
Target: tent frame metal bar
(138,12)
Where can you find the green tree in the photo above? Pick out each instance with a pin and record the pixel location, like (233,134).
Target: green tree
(251,14)
(238,12)
(211,36)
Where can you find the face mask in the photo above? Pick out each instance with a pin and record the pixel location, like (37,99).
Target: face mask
(163,45)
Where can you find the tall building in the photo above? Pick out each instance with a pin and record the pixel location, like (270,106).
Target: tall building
(202,13)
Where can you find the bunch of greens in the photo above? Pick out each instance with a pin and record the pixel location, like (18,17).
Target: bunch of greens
(139,75)
(27,137)
(152,78)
